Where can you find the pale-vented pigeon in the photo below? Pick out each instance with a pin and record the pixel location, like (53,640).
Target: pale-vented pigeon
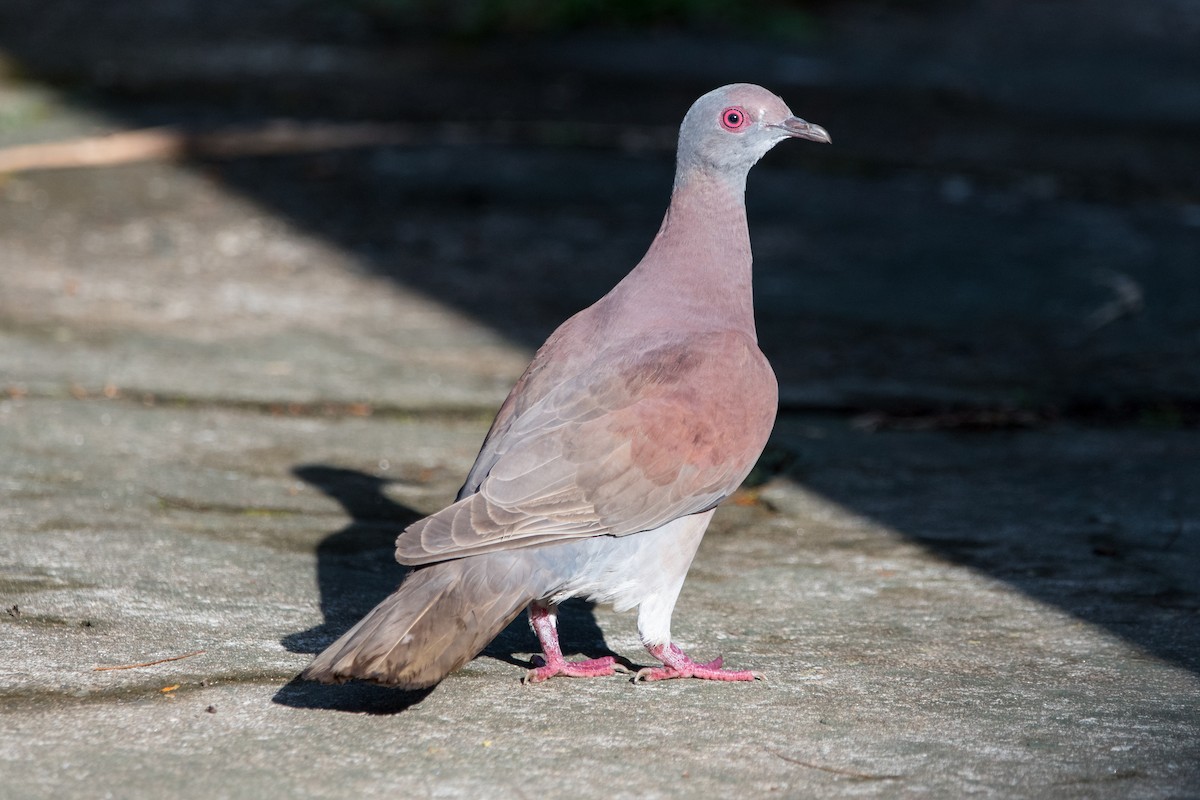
(604,465)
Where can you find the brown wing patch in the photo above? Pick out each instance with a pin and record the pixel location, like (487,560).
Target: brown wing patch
(663,366)
(668,431)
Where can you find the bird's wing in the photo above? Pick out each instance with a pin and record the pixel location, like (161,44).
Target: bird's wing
(637,441)
(552,365)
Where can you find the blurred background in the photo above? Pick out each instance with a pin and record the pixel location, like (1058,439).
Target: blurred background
(1009,218)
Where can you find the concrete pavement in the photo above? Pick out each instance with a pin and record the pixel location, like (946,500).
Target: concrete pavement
(966,561)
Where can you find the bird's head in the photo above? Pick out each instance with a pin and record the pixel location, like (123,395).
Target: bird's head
(729,129)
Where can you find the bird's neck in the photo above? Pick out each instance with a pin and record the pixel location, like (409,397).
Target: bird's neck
(698,268)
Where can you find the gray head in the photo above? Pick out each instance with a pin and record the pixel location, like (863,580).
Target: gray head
(729,129)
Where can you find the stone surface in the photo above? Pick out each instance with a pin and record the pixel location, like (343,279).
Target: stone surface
(922,630)
(966,561)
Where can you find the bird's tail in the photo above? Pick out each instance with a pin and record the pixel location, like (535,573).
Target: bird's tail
(442,616)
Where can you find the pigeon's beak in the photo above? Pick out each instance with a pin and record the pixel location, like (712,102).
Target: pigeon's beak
(799,129)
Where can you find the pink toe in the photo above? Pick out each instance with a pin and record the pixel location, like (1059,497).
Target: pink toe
(716,674)
(591,668)
(676,664)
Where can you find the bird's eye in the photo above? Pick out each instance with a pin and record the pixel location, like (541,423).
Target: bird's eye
(733,119)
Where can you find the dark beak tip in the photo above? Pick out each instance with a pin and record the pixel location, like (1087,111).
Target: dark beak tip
(801,129)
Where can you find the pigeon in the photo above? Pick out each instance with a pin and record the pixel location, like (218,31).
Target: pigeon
(607,460)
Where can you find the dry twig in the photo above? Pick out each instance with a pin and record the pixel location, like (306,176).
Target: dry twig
(175,144)
(149,663)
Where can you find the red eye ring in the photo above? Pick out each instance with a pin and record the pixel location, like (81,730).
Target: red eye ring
(734,118)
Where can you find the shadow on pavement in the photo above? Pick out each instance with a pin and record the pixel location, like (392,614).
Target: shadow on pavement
(356,566)
(355,697)
(357,569)
(1100,523)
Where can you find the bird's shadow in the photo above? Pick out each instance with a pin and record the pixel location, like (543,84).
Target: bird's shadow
(356,570)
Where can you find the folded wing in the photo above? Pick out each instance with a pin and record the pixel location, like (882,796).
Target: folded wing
(639,440)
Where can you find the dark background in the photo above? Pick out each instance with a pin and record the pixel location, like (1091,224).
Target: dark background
(1009,217)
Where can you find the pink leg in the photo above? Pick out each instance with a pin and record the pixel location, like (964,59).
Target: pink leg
(676,664)
(545,624)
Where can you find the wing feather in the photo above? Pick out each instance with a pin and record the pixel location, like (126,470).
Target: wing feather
(649,437)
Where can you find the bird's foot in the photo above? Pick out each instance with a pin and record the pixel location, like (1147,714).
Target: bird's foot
(591,668)
(676,664)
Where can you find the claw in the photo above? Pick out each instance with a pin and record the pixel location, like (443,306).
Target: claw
(647,674)
(533,676)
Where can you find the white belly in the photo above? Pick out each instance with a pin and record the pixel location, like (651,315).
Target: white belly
(644,569)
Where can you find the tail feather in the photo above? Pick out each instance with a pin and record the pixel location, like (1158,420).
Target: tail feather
(442,616)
